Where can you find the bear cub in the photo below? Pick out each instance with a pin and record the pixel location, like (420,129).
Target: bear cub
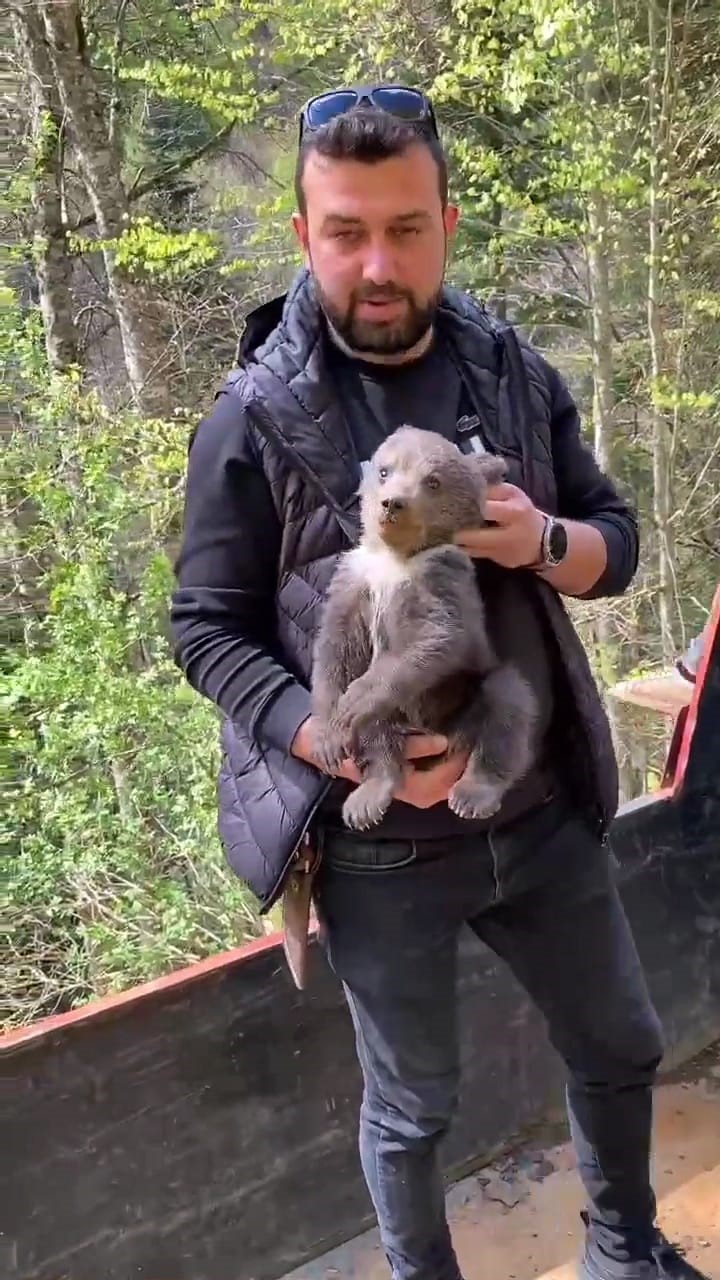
(403,644)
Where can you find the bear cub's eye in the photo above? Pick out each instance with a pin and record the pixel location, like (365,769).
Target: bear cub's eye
(432,482)
(383,472)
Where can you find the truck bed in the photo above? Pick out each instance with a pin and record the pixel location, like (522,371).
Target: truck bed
(517,1218)
(203,1126)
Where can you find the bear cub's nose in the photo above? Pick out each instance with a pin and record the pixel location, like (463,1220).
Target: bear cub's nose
(393,505)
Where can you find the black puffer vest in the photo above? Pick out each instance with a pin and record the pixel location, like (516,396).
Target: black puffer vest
(266,799)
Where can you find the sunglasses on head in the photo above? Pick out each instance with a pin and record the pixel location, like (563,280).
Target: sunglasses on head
(398,100)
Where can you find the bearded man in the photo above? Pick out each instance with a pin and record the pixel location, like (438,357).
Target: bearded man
(370,337)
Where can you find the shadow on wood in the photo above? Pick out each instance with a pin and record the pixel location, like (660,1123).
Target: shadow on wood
(203,1127)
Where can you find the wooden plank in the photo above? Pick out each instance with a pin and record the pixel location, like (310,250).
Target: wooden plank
(666,692)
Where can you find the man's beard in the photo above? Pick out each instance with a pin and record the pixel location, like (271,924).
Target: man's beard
(378,337)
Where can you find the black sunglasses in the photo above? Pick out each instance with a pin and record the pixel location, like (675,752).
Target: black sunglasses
(398,100)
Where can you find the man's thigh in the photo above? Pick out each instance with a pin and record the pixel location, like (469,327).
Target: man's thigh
(391,937)
(561,926)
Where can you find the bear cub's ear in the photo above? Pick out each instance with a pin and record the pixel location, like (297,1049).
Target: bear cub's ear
(490,467)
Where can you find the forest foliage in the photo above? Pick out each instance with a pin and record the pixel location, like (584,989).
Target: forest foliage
(146,210)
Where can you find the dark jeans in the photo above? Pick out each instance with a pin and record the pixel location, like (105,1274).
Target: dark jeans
(542,895)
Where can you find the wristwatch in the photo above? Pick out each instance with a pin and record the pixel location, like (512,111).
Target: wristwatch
(553,544)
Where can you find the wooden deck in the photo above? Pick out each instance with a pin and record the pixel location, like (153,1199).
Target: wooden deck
(518,1219)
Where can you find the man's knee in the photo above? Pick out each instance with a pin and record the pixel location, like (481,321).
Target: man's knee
(623,1052)
(652,1042)
(638,1043)
(412,1112)
(409,1060)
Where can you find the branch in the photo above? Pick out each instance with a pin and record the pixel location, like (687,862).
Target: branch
(136,191)
(565,257)
(139,189)
(252,163)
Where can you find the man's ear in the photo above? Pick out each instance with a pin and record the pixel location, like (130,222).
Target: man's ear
(300,228)
(490,466)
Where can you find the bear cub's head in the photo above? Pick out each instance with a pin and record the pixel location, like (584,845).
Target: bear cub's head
(419,491)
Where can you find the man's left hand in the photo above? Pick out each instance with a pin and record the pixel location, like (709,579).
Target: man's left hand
(516,540)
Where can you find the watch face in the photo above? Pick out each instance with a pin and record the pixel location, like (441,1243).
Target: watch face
(558,542)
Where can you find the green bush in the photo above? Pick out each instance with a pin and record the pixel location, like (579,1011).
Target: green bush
(115,872)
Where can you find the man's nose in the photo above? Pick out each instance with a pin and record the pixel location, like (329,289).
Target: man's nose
(378,266)
(393,505)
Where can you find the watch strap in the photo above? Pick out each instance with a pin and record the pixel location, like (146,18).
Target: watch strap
(546,560)
(542,562)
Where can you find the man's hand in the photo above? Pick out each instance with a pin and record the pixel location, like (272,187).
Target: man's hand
(516,543)
(517,539)
(418,746)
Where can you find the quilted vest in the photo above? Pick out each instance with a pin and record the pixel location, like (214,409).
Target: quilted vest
(267,800)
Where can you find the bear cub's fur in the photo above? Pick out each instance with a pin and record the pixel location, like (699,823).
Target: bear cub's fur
(403,645)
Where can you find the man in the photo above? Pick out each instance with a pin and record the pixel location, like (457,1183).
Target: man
(369,337)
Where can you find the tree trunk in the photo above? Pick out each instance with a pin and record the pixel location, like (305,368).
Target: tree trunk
(658,108)
(146,354)
(53,264)
(602,336)
(499,292)
(607,637)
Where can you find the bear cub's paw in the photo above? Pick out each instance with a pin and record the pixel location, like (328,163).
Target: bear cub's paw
(475,798)
(368,804)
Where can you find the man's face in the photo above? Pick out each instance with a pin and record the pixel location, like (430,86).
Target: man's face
(375,238)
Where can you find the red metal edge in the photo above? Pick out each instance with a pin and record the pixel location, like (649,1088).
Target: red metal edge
(174,981)
(671,764)
(687,730)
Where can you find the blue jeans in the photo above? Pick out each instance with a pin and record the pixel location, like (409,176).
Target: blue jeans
(542,895)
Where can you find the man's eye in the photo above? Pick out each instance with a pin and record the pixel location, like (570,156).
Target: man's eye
(432,482)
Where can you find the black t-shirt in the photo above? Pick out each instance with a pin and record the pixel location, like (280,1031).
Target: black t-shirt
(378,398)
(428,393)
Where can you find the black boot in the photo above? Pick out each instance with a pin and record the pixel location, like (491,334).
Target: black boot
(666,1262)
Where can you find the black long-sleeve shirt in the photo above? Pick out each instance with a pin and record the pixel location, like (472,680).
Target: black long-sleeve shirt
(223,610)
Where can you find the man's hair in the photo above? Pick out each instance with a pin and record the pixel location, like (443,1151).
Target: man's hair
(368,135)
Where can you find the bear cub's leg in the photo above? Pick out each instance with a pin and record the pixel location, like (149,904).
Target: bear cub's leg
(498,728)
(380,755)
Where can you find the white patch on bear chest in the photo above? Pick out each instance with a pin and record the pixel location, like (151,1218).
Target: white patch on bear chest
(383,572)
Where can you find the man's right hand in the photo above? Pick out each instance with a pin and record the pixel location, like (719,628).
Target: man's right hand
(419,788)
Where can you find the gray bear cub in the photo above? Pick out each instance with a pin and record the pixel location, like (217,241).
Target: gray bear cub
(403,645)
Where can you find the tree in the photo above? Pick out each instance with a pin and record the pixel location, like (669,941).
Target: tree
(53,265)
(145,348)
(660,92)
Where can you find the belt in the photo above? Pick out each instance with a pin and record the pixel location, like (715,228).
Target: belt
(332,841)
(345,849)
